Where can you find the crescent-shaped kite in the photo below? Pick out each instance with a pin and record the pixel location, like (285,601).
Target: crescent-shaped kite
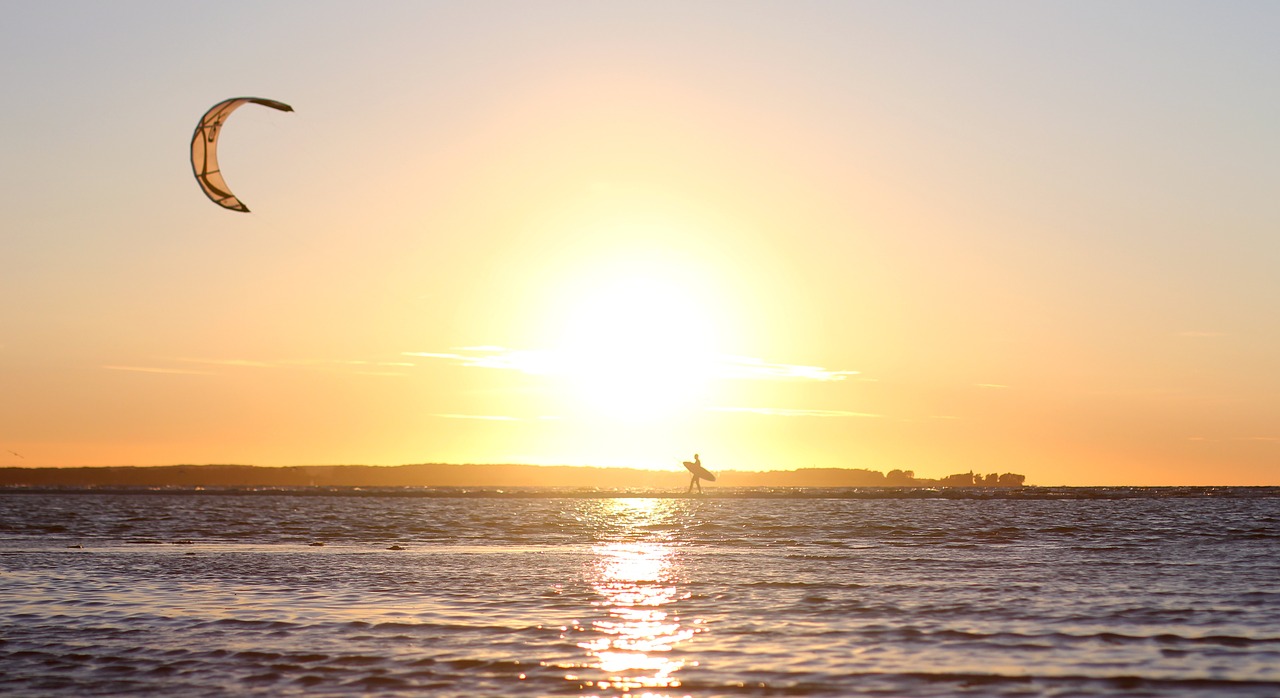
(204,150)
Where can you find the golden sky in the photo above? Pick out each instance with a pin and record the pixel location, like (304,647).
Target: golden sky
(984,236)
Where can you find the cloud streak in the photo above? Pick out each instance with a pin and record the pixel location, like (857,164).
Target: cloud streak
(728,367)
(483,417)
(296,363)
(356,366)
(239,363)
(1260,439)
(749,368)
(156,369)
(786,412)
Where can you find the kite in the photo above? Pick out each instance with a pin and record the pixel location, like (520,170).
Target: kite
(204,150)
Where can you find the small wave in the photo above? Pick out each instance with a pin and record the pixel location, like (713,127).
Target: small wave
(256,656)
(248,624)
(1057,638)
(378,683)
(1224,640)
(1129,684)
(356,660)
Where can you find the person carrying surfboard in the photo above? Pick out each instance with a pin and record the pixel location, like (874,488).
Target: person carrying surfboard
(699,473)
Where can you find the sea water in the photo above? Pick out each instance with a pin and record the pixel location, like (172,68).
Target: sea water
(1124,592)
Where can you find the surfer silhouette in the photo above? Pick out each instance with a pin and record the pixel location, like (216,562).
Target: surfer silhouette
(699,473)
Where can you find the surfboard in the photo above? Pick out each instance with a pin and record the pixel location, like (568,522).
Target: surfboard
(701,472)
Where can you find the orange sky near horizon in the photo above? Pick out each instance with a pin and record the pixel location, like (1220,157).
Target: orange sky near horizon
(868,235)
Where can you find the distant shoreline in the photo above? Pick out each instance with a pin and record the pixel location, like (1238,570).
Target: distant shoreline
(477,475)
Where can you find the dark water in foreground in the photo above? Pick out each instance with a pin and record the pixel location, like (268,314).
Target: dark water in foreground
(1040,592)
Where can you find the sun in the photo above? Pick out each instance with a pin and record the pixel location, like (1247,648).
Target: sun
(638,346)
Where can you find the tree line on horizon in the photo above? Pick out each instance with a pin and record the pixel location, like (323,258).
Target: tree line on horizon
(475,475)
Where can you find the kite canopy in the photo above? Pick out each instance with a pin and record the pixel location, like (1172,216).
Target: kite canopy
(204,150)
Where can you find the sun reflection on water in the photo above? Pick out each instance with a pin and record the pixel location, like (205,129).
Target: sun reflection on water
(636,579)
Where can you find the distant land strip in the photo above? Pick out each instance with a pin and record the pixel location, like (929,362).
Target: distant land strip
(478,475)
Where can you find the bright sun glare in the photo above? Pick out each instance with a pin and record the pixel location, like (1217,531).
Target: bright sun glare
(638,347)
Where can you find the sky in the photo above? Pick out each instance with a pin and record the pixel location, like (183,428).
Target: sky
(1038,238)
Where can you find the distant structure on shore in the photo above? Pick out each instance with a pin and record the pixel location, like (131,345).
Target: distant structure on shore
(450,475)
(851,477)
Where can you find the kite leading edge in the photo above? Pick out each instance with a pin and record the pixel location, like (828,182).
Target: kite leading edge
(204,150)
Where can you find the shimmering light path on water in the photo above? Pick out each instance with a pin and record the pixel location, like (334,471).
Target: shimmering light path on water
(1136,593)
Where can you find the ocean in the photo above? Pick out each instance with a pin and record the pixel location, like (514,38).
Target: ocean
(526,592)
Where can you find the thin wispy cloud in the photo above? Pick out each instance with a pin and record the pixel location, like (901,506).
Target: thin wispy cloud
(1262,439)
(751,368)
(225,362)
(158,369)
(208,367)
(483,417)
(385,374)
(371,368)
(788,412)
(364,367)
(533,362)
(542,362)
